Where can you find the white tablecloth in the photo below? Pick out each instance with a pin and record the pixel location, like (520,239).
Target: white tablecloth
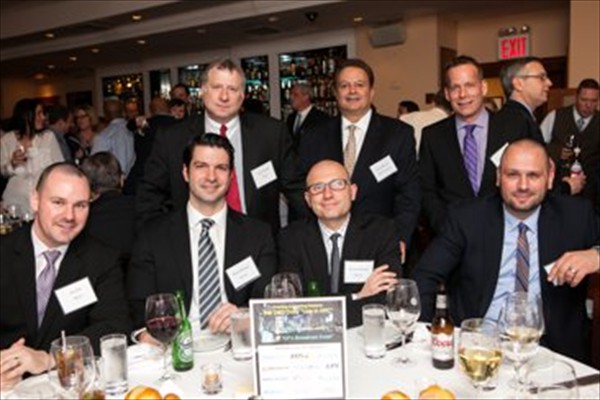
(366,378)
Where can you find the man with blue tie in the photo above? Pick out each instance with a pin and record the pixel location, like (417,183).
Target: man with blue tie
(219,257)
(526,239)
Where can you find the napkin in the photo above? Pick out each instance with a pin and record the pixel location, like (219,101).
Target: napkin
(144,356)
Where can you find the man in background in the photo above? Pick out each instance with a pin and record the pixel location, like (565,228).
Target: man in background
(60,121)
(305,116)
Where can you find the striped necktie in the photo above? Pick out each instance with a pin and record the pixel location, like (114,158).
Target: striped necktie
(470,157)
(522,280)
(209,288)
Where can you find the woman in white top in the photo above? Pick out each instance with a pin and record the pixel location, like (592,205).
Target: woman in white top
(24,153)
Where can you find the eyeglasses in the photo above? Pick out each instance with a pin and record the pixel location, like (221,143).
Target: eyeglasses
(319,187)
(541,76)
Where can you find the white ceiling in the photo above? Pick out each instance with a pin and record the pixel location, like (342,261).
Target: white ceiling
(172,26)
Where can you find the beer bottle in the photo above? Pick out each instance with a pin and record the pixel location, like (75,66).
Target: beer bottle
(442,333)
(183,351)
(313,289)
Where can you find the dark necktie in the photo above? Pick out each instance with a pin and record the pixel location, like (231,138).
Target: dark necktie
(297,123)
(233,194)
(45,283)
(209,288)
(580,123)
(470,157)
(522,281)
(335,263)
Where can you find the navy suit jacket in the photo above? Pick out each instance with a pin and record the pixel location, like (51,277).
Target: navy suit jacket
(515,120)
(314,118)
(467,255)
(398,196)
(162,261)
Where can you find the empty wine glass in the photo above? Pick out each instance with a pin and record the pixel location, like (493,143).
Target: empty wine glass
(403,309)
(291,277)
(74,365)
(163,323)
(552,380)
(479,351)
(521,326)
(280,290)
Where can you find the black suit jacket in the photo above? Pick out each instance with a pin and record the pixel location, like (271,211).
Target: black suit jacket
(85,257)
(444,177)
(467,256)
(314,118)
(398,196)
(515,120)
(162,261)
(264,139)
(301,250)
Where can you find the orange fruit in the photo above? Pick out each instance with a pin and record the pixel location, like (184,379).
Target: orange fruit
(171,396)
(142,392)
(436,392)
(395,395)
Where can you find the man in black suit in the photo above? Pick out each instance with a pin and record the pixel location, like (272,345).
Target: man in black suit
(264,164)
(180,250)
(338,250)
(37,260)
(378,151)
(305,116)
(493,246)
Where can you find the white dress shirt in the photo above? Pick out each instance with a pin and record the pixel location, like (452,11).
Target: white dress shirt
(362,125)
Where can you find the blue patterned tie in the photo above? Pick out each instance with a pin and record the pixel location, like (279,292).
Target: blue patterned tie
(209,288)
(470,157)
(45,283)
(522,281)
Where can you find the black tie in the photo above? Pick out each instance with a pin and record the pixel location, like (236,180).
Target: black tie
(335,263)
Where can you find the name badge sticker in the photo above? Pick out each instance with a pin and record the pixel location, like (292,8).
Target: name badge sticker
(76,295)
(264,174)
(548,268)
(383,168)
(357,271)
(243,273)
(498,155)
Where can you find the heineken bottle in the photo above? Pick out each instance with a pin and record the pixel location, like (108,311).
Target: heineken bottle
(313,289)
(183,349)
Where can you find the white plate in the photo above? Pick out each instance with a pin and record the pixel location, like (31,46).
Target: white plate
(206,341)
(36,387)
(391,333)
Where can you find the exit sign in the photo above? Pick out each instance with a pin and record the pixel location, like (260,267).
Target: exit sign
(514,46)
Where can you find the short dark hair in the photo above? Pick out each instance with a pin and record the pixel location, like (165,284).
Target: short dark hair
(209,140)
(56,113)
(513,68)
(458,61)
(182,86)
(356,63)
(410,105)
(175,102)
(63,166)
(588,83)
(103,171)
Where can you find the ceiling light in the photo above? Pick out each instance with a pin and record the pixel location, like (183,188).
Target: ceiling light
(49,35)
(358,19)
(136,17)
(201,31)
(73,58)
(51,66)
(39,76)
(95,50)
(141,41)
(273,18)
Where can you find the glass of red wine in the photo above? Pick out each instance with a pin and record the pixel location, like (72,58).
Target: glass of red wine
(163,324)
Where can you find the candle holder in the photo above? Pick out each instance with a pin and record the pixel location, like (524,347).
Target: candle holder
(212,381)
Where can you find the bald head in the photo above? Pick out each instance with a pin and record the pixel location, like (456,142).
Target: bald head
(326,167)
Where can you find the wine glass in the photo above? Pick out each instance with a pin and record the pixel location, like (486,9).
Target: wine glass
(291,277)
(403,309)
(74,365)
(552,380)
(479,351)
(521,326)
(163,323)
(280,290)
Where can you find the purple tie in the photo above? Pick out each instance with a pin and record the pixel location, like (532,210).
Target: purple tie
(470,156)
(45,282)
(522,281)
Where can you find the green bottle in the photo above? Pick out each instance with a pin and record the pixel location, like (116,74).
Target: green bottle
(313,289)
(183,346)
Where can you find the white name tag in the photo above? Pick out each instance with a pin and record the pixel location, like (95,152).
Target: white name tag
(357,271)
(264,174)
(76,295)
(243,273)
(548,268)
(383,168)
(498,155)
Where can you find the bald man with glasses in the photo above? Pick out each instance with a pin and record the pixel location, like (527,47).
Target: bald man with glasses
(337,249)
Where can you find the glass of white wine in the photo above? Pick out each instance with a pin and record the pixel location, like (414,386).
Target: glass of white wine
(479,352)
(404,308)
(521,325)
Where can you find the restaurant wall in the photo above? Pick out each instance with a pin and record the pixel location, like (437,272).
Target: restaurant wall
(584,42)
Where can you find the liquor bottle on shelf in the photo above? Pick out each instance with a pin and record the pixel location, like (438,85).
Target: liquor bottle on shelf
(442,333)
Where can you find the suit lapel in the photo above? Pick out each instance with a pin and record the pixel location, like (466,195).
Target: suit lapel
(250,154)
(371,148)
(352,246)
(317,255)
(233,239)
(180,245)
(492,254)
(549,232)
(455,157)
(25,275)
(494,142)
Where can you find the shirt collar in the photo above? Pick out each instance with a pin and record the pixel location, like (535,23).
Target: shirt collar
(362,123)
(576,115)
(212,126)
(195,216)
(512,222)
(480,121)
(305,112)
(40,247)
(326,232)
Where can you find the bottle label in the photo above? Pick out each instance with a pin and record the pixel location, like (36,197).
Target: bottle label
(185,351)
(440,301)
(442,346)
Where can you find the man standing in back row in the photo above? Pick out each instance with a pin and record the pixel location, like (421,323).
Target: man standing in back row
(378,151)
(264,163)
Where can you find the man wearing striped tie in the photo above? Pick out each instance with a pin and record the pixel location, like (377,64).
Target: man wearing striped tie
(217,256)
(526,239)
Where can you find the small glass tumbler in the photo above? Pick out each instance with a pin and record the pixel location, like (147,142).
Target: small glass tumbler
(212,381)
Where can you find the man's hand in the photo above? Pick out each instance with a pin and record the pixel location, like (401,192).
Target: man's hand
(576,182)
(19,359)
(573,266)
(402,252)
(146,337)
(378,281)
(219,320)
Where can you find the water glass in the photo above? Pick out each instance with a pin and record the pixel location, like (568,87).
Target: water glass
(241,344)
(373,316)
(113,349)
(553,380)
